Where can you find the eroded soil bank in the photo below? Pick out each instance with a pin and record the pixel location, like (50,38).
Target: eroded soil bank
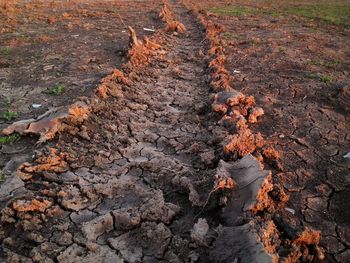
(298,71)
(307,118)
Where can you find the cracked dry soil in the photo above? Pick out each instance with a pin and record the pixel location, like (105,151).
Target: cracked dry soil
(130,185)
(306,119)
(68,43)
(136,180)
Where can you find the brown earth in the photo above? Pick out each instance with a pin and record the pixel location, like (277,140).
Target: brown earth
(281,61)
(145,171)
(73,44)
(135,179)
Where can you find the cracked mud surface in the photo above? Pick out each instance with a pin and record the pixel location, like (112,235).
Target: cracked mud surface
(144,171)
(134,181)
(73,44)
(279,61)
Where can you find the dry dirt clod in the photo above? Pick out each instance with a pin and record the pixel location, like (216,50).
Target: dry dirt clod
(199,232)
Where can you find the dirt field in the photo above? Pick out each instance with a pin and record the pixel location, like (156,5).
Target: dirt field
(297,69)
(52,52)
(220,137)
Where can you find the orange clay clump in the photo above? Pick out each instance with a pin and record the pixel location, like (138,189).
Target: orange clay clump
(102,91)
(244,142)
(109,85)
(271,153)
(31,206)
(175,26)
(171,24)
(55,162)
(149,44)
(215,50)
(218,61)
(270,237)
(308,237)
(264,197)
(140,51)
(254,114)
(79,111)
(164,12)
(119,75)
(224,183)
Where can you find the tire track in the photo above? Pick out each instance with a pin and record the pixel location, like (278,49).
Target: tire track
(142,176)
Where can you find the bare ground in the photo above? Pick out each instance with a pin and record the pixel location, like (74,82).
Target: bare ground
(131,184)
(144,177)
(68,44)
(298,71)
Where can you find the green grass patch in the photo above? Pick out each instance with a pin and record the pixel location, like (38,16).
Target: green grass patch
(281,49)
(59,74)
(311,75)
(5,51)
(338,14)
(57,90)
(327,95)
(2,176)
(326,78)
(10,115)
(330,64)
(10,138)
(321,77)
(238,11)
(335,14)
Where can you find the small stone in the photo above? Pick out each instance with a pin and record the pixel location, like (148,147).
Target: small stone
(48,67)
(290,210)
(199,232)
(347,155)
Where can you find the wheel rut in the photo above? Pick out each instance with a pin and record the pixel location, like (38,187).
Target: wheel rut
(135,181)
